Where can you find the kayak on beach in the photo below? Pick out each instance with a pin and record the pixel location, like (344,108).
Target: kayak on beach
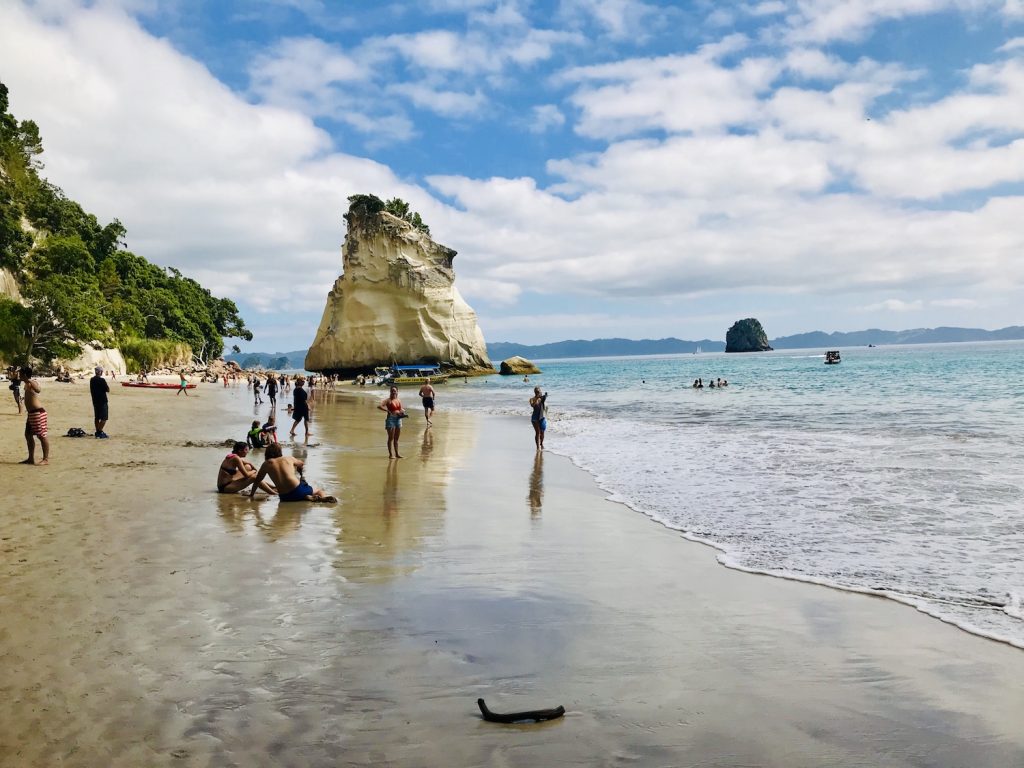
(147,385)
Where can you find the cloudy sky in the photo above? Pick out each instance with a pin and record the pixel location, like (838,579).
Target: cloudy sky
(603,167)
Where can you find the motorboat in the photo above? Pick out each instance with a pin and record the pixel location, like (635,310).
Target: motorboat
(416,374)
(832,357)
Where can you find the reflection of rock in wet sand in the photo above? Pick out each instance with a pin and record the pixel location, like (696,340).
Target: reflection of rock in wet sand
(536,494)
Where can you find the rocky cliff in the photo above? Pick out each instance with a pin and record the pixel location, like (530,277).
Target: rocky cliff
(9,286)
(395,302)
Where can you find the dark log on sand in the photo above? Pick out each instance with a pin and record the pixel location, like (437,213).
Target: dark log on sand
(536,715)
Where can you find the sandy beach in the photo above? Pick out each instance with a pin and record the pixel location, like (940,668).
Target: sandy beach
(148,621)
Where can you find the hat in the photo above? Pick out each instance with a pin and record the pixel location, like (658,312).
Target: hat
(99,370)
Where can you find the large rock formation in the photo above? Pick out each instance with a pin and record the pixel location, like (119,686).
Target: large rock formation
(746,336)
(95,354)
(395,302)
(517,366)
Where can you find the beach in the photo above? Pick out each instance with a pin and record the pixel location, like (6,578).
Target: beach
(147,620)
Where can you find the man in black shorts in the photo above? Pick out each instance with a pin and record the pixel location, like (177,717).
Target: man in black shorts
(98,388)
(300,411)
(427,393)
(272,390)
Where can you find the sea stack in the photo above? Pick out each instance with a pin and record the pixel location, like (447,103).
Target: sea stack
(747,336)
(395,301)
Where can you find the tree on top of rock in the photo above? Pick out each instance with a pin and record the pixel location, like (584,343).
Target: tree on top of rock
(364,206)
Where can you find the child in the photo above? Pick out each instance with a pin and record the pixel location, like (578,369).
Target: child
(268,432)
(255,436)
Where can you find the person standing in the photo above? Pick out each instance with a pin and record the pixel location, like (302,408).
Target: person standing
(539,417)
(427,393)
(393,422)
(35,424)
(256,387)
(272,390)
(15,387)
(300,410)
(98,389)
(182,384)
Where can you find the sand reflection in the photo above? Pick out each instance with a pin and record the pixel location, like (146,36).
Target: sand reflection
(388,509)
(536,495)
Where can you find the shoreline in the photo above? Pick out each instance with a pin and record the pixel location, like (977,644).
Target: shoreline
(155,622)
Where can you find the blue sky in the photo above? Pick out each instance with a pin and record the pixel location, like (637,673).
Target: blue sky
(603,167)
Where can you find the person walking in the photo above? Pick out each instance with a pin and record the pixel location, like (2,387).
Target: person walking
(256,387)
(393,422)
(35,423)
(98,389)
(182,384)
(272,391)
(300,409)
(427,394)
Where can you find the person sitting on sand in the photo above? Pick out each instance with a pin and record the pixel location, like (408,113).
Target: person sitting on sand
(254,437)
(286,472)
(268,432)
(35,424)
(236,474)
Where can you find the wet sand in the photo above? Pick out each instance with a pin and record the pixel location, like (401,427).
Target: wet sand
(147,621)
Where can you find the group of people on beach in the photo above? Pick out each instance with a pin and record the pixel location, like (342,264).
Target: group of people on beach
(37,419)
(699,383)
(236,472)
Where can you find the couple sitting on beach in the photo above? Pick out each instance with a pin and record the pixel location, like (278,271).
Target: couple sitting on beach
(236,474)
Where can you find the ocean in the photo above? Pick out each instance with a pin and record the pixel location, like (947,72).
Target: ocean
(896,472)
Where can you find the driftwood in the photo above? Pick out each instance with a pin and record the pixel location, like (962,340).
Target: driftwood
(515,717)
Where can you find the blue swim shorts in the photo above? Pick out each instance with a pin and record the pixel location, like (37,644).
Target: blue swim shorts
(298,494)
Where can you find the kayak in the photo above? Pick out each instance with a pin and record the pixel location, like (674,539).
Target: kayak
(147,385)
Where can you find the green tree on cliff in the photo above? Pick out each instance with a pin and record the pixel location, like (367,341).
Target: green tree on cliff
(364,206)
(78,281)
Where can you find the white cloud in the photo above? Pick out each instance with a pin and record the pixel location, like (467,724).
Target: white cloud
(441,102)
(1012,45)
(545,118)
(895,305)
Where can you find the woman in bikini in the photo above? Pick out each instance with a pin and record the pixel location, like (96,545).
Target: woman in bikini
(393,423)
(236,474)
(538,417)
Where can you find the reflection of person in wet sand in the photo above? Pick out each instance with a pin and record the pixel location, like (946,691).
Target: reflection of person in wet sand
(390,506)
(286,472)
(427,446)
(236,474)
(536,495)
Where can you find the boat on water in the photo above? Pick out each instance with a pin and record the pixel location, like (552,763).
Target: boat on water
(832,357)
(411,375)
(154,385)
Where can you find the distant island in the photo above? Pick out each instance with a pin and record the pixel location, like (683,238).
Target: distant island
(672,346)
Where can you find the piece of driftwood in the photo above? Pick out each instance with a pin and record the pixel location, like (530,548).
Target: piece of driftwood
(516,717)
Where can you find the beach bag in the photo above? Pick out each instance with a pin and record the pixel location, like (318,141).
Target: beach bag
(76,432)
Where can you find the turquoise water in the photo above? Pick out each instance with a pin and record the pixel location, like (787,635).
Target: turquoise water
(897,472)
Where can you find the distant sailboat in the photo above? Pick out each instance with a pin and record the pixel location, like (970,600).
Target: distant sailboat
(697,350)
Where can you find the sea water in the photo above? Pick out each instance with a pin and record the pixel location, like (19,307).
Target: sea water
(896,472)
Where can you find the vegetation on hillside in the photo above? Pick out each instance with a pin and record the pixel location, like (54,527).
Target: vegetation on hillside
(80,283)
(363,206)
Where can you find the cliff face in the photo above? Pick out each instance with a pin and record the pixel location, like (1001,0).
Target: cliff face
(396,301)
(9,286)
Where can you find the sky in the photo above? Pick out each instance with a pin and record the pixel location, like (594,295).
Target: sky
(604,168)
